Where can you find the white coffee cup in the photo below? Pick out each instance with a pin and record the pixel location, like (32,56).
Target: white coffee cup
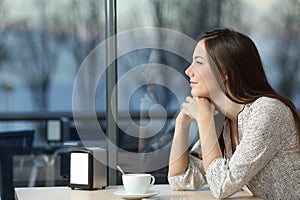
(137,183)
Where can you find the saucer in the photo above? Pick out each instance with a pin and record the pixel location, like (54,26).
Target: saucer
(125,195)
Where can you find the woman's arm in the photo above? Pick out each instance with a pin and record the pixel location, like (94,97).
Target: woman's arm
(179,159)
(209,141)
(207,131)
(186,170)
(203,111)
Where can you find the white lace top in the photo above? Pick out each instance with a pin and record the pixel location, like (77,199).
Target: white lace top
(267,158)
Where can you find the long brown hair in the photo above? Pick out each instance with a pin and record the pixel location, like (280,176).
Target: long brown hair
(236,55)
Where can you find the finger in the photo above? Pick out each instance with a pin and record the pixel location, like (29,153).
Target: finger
(213,107)
(189,99)
(185,106)
(201,100)
(186,112)
(206,101)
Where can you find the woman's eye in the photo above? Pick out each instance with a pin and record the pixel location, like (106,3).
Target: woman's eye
(199,62)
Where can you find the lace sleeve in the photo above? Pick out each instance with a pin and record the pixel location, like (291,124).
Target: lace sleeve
(194,176)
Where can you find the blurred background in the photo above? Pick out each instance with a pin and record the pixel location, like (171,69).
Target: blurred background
(44,42)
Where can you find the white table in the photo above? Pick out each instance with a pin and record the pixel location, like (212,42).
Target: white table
(65,193)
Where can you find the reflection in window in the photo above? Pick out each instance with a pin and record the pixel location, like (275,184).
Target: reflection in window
(43,43)
(275,33)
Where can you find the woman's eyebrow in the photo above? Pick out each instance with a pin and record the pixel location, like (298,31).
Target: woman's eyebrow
(199,57)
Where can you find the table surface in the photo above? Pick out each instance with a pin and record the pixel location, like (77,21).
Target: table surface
(50,193)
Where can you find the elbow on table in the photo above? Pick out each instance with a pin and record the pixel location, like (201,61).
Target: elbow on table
(174,184)
(221,194)
(176,188)
(178,184)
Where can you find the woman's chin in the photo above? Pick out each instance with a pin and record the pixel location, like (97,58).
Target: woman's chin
(194,94)
(198,94)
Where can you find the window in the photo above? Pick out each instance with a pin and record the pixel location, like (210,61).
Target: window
(43,44)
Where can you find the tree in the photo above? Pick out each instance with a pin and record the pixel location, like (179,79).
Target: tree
(39,58)
(85,26)
(38,65)
(288,51)
(3,30)
(206,15)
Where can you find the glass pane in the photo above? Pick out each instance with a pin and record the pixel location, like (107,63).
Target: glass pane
(144,64)
(43,44)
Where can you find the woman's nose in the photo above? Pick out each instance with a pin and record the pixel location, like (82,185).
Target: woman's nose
(188,71)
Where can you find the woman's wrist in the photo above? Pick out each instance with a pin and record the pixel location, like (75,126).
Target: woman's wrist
(204,119)
(205,124)
(184,121)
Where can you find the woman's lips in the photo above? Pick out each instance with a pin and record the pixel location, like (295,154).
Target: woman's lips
(192,83)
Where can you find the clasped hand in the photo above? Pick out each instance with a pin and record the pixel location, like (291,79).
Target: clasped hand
(197,108)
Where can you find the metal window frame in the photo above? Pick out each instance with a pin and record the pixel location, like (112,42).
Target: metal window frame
(111,88)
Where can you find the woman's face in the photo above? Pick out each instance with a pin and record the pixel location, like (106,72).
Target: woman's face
(200,73)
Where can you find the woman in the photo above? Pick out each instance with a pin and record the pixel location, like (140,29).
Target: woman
(261,129)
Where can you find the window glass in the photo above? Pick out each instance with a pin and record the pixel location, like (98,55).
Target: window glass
(273,25)
(43,44)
